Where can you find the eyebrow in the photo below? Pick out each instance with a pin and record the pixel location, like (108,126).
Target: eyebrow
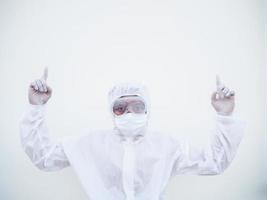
(129,96)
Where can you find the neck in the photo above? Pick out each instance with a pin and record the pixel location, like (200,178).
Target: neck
(128,137)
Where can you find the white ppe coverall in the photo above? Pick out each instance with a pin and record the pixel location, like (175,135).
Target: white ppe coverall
(112,167)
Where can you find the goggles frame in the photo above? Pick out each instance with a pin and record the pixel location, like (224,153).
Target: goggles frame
(129,103)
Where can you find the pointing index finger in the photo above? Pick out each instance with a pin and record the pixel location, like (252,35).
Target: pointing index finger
(45,75)
(218,82)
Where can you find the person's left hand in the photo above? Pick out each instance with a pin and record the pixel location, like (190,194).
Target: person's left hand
(223,100)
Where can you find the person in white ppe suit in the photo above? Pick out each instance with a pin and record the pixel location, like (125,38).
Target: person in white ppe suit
(129,162)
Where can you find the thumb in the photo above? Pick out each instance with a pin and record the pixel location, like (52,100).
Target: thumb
(214,96)
(45,74)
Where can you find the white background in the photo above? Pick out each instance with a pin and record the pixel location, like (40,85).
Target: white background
(175,47)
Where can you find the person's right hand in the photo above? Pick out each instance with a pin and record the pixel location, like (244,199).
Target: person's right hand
(223,100)
(39,91)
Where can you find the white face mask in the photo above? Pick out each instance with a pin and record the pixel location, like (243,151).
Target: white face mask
(131,124)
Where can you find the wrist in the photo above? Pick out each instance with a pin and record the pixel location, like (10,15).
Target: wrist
(225,113)
(35,107)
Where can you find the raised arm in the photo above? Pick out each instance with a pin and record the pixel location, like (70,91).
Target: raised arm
(215,157)
(45,154)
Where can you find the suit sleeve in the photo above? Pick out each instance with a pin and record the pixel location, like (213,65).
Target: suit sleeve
(45,154)
(215,157)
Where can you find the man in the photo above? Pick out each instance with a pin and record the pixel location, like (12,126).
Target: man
(129,162)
